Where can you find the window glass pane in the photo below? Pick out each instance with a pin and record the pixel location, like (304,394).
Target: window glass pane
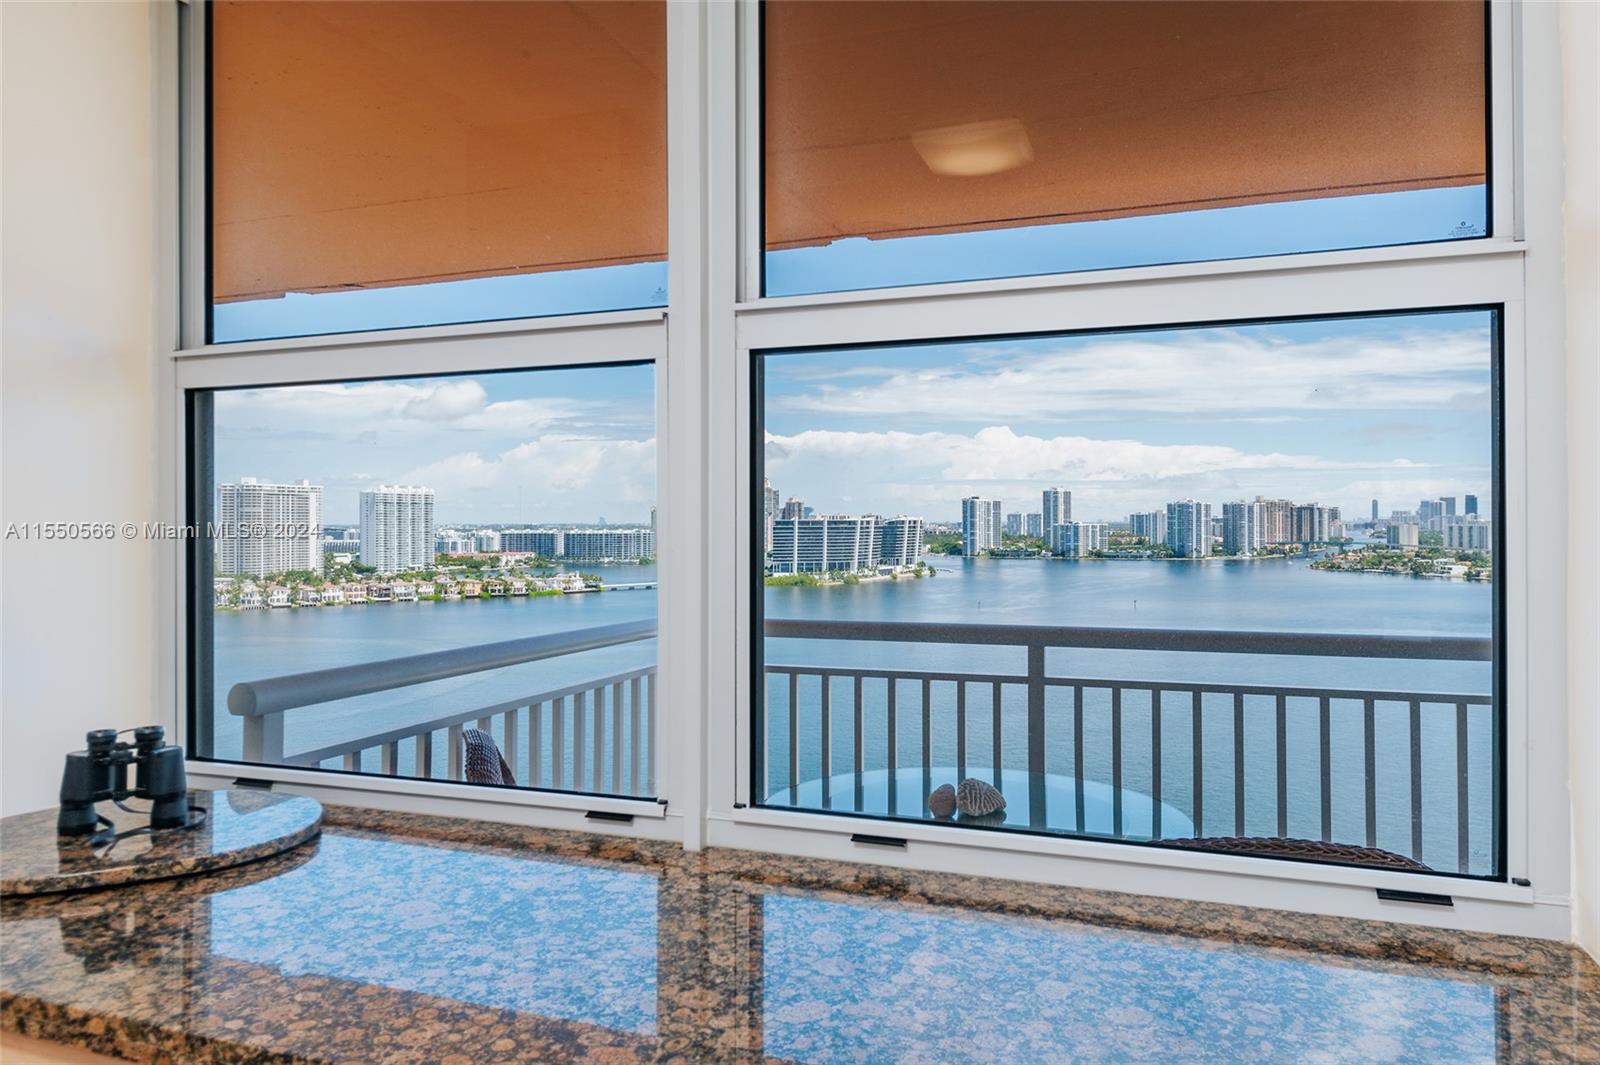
(355,526)
(929,142)
(1247,575)
(384,164)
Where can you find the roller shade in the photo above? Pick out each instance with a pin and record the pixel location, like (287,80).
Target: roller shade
(361,144)
(898,119)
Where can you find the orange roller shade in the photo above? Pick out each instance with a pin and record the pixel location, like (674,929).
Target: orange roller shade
(896,119)
(359,144)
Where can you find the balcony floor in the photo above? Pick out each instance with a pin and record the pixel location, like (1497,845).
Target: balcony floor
(398,938)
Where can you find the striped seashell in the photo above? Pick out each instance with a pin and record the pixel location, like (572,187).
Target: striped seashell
(942,801)
(979,798)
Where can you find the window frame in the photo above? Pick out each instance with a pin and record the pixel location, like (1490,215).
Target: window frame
(715,318)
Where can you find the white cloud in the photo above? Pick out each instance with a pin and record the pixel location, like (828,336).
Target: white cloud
(555,477)
(1215,372)
(446,401)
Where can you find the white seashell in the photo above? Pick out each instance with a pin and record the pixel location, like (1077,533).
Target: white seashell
(979,798)
(942,801)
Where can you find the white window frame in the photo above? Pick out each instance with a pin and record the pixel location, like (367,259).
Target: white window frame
(1498,270)
(703,343)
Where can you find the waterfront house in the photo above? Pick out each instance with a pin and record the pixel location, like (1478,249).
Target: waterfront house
(250,599)
(308,595)
(332,594)
(494,586)
(405,592)
(518,586)
(355,592)
(471,589)
(380,591)
(425,589)
(278,596)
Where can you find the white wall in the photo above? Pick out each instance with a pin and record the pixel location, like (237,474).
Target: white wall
(1580,45)
(77,394)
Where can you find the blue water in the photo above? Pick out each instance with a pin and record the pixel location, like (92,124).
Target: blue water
(1270,595)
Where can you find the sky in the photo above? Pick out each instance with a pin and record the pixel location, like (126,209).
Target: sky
(1337,412)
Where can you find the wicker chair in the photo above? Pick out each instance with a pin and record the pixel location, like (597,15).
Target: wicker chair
(483,763)
(1304,849)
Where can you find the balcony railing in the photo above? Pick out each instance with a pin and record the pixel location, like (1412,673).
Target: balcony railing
(564,738)
(1057,707)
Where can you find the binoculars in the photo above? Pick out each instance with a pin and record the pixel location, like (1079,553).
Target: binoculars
(99,773)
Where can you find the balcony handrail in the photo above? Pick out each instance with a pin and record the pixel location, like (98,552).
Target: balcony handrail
(1313,644)
(274,695)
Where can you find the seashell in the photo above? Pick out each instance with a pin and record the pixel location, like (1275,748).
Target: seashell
(942,802)
(979,798)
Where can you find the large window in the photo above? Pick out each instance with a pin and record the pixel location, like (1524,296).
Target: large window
(387,164)
(1228,587)
(927,142)
(411,577)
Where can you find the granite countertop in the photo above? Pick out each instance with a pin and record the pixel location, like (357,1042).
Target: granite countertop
(399,938)
(238,826)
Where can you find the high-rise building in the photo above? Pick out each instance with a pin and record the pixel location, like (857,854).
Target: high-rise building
(269,528)
(1470,535)
(1242,530)
(486,541)
(1057,507)
(769,508)
(793,507)
(1076,539)
(1472,506)
(1402,534)
(1277,520)
(829,542)
(1150,524)
(1428,511)
(1189,528)
(1375,509)
(1034,525)
(1312,524)
(980,525)
(1449,504)
(901,541)
(546,543)
(1013,524)
(397,528)
(613,541)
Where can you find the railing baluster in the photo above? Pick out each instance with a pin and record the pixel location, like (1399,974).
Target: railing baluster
(483,725)
(1116,759)
(1325,755)
(454,756)
(1155,763)
(616,738)
(509,725)
(558,742)
(423,754)
(535,743)
(635,693)
(999,758)
(794,737)
(1282,756)
(580,711)
(961,730)
(1077,754)
(894,752)
(598,710)
(650,736)
(859,738)
(352,762)
(1036,759)
(390,758)
(927,742)
(827,740)
(1416,780)
(1370,753)
(1198,749)
(1461,788)
(1238,763)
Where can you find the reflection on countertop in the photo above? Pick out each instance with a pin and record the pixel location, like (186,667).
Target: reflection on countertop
(399,938)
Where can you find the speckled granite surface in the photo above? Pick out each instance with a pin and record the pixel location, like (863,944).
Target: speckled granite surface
(396,938)
(240,826)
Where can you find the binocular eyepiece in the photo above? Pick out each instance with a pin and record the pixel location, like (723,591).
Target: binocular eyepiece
(99,773)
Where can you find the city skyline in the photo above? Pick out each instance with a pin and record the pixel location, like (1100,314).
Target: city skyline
(1335,412)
